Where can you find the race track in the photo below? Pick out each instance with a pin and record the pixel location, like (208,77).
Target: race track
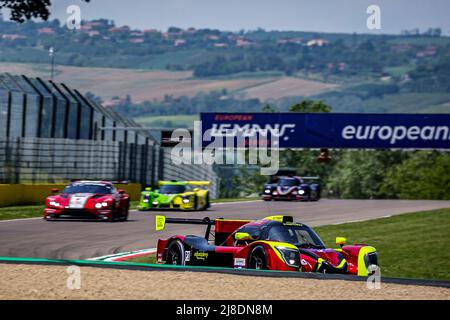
(82,240)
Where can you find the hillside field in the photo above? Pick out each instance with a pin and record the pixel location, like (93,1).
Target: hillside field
(144,85)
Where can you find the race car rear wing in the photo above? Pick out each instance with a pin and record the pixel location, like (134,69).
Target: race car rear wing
(222,227)
(160,223)
(199,183)
(101,181)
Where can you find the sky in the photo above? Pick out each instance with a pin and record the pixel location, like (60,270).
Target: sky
(233,15)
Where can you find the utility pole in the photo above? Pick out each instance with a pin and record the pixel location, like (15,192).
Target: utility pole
(51,53)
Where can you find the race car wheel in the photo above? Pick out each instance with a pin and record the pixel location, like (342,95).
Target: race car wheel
(175,253)
(208,204)
(196,203)
(114,213)
(125,214)
(257,259)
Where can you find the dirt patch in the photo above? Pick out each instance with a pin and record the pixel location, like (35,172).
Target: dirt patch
(288,87)
(50,282)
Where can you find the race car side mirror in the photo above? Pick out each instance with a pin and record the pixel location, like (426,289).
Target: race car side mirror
(148,189)
(340,241)
(121,191)
(242,236)
(55,190)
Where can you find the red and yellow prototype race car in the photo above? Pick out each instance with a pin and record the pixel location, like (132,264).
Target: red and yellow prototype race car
(272,243)
(94,200)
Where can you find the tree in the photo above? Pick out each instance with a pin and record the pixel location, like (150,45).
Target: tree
(359,174)
(424,175)
(268,108)
(22,10)
(310,106)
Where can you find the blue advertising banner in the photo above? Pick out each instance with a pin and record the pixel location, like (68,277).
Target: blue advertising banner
(333,130)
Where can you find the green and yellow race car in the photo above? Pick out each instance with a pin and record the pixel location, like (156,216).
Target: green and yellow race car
(183,195)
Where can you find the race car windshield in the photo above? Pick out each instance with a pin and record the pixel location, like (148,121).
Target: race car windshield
(288,182)
(88,188)
(172,189)
(300,236)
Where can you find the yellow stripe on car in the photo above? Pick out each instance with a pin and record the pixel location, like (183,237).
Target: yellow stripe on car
(362,269)
(273,245)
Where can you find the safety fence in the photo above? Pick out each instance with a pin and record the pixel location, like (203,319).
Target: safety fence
(49,160)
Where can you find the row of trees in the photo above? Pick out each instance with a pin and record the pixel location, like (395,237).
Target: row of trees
(357,174)
(214,101)
(362,174)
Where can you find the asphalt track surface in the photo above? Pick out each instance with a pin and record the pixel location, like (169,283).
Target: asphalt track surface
(86,239)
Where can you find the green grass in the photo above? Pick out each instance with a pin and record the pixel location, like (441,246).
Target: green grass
(235,199)
(36,210)
(414,245)
(21,212)
(399,70)
(150,258)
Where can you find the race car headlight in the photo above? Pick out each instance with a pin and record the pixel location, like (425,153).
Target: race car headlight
(290,256)
(145,200)
(267,191)
(294,192)
(186,200)
(301,191)
(54,204)
(155,202)
(98,205)
(105,204)
(275,193)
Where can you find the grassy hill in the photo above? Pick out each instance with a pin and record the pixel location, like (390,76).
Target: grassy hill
(144,85)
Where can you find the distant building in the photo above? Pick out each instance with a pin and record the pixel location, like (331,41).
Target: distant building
(317,43)
(49,31)
(212,37)
(13,36)
(179,42)
(93,33)
(291,40)
(401,47)
(428,52)
(220,45)
(136,40)
(243,43)
(137,34)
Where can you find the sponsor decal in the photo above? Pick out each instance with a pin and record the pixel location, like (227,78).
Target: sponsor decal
(239,263)
(332,130)
(285,190)
(77,201)
(201,255)
(251,130)
(187,256)
(394,134)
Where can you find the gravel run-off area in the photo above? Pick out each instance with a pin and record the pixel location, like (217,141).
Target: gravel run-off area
(51,282)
